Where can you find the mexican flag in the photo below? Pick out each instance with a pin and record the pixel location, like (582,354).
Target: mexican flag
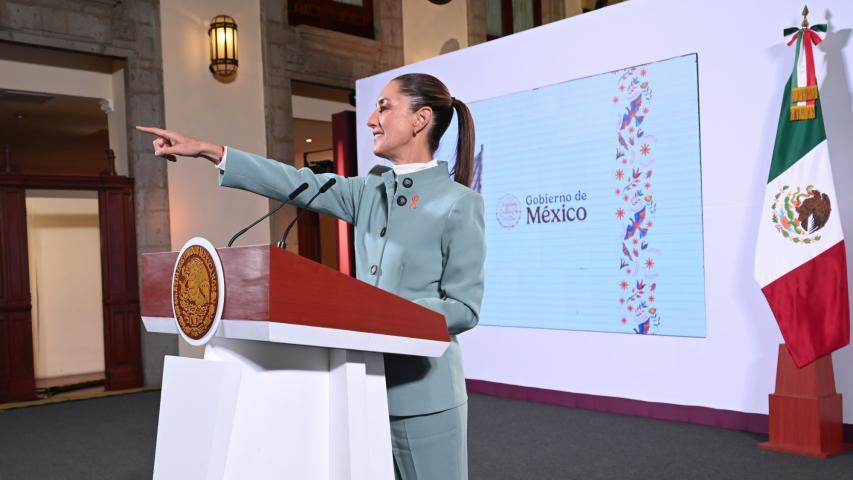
(800,261)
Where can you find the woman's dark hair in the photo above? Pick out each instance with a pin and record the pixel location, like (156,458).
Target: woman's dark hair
(427,91)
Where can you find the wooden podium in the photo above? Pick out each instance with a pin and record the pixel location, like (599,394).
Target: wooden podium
(292,383)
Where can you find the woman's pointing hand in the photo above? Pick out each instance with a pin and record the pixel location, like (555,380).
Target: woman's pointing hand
(169,144)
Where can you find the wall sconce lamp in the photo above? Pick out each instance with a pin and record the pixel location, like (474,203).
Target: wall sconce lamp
(223,45)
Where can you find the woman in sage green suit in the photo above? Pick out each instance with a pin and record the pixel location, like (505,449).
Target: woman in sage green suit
(418,234)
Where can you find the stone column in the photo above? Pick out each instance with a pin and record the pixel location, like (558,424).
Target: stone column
(278,105)
(553,10)
(476,22)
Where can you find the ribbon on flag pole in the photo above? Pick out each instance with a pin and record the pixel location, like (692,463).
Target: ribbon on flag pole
(804,85)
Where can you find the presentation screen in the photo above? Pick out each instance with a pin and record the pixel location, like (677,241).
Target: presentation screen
(593,200)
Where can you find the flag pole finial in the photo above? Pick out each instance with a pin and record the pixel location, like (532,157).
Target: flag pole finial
(805,15)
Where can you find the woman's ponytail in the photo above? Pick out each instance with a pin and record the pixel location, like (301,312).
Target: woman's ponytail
(464,144)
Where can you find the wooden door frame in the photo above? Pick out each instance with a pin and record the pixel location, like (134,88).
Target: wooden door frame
(119,280)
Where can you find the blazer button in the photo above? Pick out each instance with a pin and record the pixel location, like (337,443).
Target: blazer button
(407,182)
(401,200)
(382,232)
(373,269)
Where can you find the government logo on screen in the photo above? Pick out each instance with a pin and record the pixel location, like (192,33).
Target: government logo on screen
(508,211)
(541,208)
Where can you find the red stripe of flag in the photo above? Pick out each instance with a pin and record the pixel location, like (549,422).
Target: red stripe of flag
(811,307)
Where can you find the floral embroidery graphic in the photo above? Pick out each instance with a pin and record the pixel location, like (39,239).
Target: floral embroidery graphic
(635,161)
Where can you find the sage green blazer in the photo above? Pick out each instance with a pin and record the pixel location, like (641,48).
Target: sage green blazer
(419,236)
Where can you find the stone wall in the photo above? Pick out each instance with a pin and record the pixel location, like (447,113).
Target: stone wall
(128,31)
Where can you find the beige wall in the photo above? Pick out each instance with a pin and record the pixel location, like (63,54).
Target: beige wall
(65,283)
(308,108)
(226,113)
(35,77)
(429,29)
(117,121)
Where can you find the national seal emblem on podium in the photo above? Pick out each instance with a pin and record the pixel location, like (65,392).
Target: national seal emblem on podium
(197,291)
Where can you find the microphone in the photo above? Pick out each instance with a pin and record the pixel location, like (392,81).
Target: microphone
(290,197)
(283,243)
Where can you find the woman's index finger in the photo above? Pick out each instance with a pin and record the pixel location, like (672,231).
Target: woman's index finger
(155,131)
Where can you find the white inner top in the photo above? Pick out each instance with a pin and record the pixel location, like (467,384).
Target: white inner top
(407,168)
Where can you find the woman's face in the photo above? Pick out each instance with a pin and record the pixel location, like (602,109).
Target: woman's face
(392,123)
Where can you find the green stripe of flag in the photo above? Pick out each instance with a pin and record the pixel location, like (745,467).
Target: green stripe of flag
(794,139)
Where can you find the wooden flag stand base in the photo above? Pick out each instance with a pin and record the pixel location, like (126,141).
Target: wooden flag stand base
(805,410)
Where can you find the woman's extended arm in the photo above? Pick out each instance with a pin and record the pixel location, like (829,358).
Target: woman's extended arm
(273,179)
(263,176)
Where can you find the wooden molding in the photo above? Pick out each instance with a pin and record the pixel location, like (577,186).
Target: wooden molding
(64,182)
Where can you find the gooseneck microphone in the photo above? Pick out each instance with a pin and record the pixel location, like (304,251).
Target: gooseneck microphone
(290,198)
(283,243)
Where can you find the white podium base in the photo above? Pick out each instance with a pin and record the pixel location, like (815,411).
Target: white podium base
(256,410)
